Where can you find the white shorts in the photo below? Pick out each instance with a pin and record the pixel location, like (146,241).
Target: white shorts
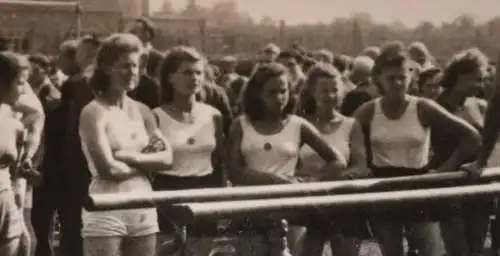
(137,222)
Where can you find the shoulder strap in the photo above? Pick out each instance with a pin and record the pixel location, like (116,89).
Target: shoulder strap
(366,129)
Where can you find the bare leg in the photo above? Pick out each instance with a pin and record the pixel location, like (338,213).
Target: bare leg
(102,246)
(139,245)
(11,248)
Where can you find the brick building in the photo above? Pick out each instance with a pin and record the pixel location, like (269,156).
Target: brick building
(40,26)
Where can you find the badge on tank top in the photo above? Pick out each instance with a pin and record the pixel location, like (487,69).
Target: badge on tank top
(190,141)
(268,146)
(133,135)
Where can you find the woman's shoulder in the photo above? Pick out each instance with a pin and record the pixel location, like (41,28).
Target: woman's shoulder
(94,111)
(207,110)
(301,122)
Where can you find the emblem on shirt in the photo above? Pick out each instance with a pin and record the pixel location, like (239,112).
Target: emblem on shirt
(190,141)
(268,146)
(133,135)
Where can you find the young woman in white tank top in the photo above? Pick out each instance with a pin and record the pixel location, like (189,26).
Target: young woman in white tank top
(344,133)
(462,79)
(265,141)
(114,130)
(14,72)
(398,126)
(195,133)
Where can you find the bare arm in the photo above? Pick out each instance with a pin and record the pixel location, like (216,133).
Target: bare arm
(94,141)
(430,113)
(357,167)
(335,162)
(149,161)
(238,171)
(33,119)
(219,155)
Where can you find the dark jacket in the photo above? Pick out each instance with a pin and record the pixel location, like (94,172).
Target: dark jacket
(155,58)
(75,95)
(147,91)
(216,97)
(357,97)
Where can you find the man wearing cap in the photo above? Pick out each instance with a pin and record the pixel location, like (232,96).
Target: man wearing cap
(145,30)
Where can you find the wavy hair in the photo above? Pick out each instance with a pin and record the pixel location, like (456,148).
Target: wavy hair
(253,106)
(11,66)
(464,62)
(170,64)
(109,52)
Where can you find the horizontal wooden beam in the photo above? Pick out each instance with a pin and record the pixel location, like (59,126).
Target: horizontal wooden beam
(114,201)
(284,207)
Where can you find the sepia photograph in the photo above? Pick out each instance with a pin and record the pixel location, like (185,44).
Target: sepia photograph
(249,128)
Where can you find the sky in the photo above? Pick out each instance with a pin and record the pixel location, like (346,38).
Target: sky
(409,12)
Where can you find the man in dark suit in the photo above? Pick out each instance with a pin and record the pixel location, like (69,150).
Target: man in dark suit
(148,91)
(64,169)
(145,30)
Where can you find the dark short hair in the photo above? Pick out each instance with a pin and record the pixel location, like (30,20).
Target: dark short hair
(393,54)
(91,39)
(171,63)
(148,25)
(11,65)
(253,106)
(69,48)
(342,62)
(109,52)
(41,60)
(428,74)
(321,70)
(464,62)
(286,54)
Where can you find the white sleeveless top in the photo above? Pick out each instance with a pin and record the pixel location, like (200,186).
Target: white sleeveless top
(312,163)
(10,126)
(192,143)
(125,130)
(403,142)
(277,153)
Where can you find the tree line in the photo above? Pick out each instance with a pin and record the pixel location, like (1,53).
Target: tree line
(229,31)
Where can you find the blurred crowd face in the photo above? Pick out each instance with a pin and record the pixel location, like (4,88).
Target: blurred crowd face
(489,82)
(17,88)
(431,88)
(57,78)
(290,63)
(85,55)
(137,29)
(360,76)
(322,58)
(227,67)
(267,56)
(327,92)
(418,55)
(188,78)
(37,75)
(124,73)
(275,94)
(395,81)
(469,84)
(66,64)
